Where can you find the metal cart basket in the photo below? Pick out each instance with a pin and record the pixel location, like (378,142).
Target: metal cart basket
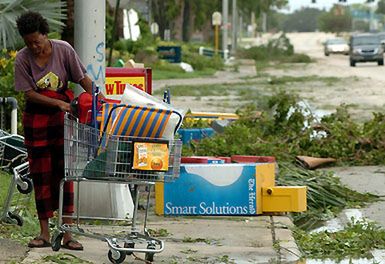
(13,161)
(91,155)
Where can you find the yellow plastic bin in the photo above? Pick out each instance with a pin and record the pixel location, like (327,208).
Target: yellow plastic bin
(284,199)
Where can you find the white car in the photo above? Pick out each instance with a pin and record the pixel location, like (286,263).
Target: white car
(336,45)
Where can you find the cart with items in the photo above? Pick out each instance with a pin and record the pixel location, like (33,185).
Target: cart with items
(126,148)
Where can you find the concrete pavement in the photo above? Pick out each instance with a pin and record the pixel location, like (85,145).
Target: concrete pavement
(260,239)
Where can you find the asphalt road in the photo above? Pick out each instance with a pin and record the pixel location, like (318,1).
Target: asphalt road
(333,65)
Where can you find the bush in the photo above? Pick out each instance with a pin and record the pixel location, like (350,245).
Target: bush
(297,58)
(277,49)
(7,60)
(166,66)
(199,62)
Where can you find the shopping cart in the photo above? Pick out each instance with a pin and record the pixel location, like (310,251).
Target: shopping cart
(94,155)
(13,161)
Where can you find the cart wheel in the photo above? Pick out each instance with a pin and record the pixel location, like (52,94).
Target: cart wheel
(129,245)
(26,186)
(16,217)
(116,257)
(150,256)
(56,241)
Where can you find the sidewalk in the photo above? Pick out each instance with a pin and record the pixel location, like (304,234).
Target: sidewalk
(261,239)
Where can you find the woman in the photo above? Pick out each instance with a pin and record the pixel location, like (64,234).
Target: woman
(42,71)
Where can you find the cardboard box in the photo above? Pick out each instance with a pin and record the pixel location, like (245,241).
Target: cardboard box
(215,189)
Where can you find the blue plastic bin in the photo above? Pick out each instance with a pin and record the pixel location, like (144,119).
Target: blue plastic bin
(188,134)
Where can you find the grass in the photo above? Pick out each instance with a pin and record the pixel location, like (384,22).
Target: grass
(164,74)
(197,90)
(26,210)
(200,240)
(300,79)
(253,90)
(4,185)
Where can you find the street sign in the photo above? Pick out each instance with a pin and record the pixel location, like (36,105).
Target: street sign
(216,18)
(154,28)
(172,54)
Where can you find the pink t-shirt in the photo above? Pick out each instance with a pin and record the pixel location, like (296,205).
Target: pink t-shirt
(63,66)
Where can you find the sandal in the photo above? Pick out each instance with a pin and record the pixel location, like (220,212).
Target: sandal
(44,243)
(72,245)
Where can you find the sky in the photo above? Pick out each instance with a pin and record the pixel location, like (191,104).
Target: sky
(297,4)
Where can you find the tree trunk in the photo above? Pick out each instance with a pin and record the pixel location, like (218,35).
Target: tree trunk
(68,31)
(207,32)
(189,21)
(179,22)
(160,16)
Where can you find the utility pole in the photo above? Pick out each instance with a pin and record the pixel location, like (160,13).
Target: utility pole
(89,40)
(234,27)
(149,5)
(225,15)
(264,22)
(371,8)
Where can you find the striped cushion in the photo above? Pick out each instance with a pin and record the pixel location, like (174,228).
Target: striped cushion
(103,119)
(139,121)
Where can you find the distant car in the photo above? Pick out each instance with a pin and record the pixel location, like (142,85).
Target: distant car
(381,35)
(336,45)
(366,48)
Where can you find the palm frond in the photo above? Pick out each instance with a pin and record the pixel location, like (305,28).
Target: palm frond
(10,10)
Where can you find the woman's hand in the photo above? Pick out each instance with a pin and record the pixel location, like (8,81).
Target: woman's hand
(64,106)
(86,83)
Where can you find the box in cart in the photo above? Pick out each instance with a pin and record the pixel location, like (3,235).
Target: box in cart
(215,189)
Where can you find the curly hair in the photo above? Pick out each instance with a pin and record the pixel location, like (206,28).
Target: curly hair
(31,22)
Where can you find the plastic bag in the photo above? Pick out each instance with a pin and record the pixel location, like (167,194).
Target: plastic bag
(135,96)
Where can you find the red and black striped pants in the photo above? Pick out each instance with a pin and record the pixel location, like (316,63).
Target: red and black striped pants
(47,170)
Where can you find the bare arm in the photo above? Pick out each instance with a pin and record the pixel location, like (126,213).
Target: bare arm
(35,97)
(86,83)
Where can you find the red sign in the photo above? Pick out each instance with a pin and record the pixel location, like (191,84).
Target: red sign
(117,78)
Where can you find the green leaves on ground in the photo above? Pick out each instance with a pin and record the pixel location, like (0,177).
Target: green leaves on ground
(63,258)
(287,129)
(326,196)
(355,241)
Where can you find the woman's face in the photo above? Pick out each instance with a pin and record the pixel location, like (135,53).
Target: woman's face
(36,42)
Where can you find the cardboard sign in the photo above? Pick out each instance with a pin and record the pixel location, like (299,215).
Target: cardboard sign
(117,78)
(116,85)
(150,156)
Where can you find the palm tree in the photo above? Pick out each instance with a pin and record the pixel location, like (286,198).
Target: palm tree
(68,31)
(52,10)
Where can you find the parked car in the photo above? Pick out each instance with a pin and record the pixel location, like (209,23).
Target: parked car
(366,48)
(381,35)
(336,45)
